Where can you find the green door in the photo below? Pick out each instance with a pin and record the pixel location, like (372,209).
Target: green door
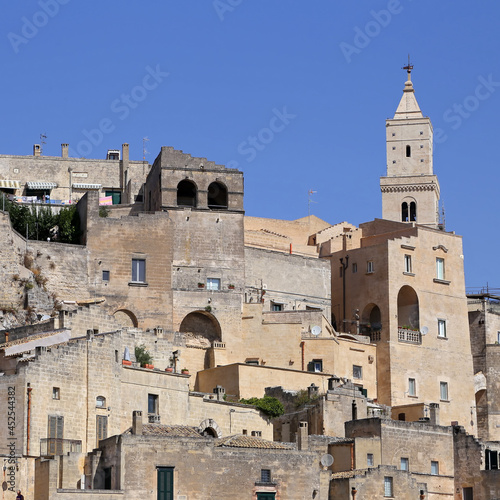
(166,483)
(266,496)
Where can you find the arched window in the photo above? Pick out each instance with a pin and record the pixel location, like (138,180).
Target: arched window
(100,402)
(217,196)
(186,194)
(408,310)
(404,212)
(413,211)
(408,151)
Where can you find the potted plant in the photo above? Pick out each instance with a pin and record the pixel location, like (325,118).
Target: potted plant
(170,367)
(143,357)
(185,371)
(126,362)
(201,285)
(230,286)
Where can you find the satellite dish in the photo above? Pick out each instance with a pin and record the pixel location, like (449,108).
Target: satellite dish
(326,460)
(316,330)
(424,330)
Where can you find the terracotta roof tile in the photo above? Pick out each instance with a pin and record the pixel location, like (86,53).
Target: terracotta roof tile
(242,441)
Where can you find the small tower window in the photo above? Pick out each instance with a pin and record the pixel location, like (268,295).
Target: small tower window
(404,212)
(413,211)
(408,151)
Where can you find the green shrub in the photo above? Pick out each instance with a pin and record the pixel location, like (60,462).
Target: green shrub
(142,355)
(272,407)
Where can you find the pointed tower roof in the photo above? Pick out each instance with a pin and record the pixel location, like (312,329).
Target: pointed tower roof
(408,106)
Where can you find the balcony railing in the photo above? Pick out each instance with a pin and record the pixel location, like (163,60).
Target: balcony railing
(409,336)
(374,335)
(52,446)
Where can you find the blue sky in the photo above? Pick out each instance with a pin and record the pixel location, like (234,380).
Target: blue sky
(206,76)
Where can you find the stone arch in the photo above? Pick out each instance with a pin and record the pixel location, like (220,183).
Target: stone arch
(409,209)
(210,428)
(408,309)
(202,326)
(126,318)
(217,196)
(187,194)
(371,317)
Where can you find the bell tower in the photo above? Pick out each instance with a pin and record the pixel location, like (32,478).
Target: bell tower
(410,191)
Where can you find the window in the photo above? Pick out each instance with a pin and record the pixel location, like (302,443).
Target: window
(408,151)
(318,365)
(55,434)
(357,372)
(100,402)
(412,387)
(441,328)
(369,266)
(276,307)
(467,493)
(408,264)
(139,270)
(434,468)
(498,337)
(388,491)
(369,460)
(443,387)
(405,464)
(56,393)
(105,276)
(439,268)
(213,283)
(355,268)
(153,403)
(101,427)
(265,475)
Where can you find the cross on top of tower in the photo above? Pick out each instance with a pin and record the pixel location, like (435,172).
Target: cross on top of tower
(408,68)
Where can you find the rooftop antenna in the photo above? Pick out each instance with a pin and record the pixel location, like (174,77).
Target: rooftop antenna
(408,68)
(309,201)
(42,142)
(144,150)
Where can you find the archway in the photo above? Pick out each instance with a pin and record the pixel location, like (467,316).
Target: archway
(186,194)
(201,326)
(210,428)
(126,318)
(408,311)
(217,196)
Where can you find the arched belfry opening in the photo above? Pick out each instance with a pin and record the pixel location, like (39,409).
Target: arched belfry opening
(413,211)
(186,194)
(409,211)
(408,310)
(404,212)
(217,196)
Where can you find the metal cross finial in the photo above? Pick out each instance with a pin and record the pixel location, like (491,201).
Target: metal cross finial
(408,67)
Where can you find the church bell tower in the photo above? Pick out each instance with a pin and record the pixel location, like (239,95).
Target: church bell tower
(410,191)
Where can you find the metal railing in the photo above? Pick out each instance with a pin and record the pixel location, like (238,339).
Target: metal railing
(52,446)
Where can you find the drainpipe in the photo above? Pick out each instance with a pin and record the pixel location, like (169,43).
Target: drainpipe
(352,456)
(28,424)
(303,345)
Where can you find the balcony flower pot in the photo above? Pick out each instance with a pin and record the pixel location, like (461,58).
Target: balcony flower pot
(169,369)
(185,371)
(231,287)
(149,367)
(126,362)
(201,285)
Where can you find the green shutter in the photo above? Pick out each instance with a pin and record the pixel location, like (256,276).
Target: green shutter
(165,483)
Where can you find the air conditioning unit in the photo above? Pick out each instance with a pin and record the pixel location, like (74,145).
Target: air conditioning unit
(154,419)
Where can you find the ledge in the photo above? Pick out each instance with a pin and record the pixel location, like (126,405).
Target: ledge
(408,274)
(443,282)
(137,283)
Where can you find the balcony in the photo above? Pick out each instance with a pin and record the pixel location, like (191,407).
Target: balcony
(153,418)
(50,447)
(409,336)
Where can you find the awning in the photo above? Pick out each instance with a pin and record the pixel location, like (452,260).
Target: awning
(41,185)
(10,184)
(77,185)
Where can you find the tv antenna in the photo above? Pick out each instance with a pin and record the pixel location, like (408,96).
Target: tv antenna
(309,201)
(42,142)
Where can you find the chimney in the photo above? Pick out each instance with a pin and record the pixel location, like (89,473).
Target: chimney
(303,436)
(37,150)
(64,150)
(220,392)
(312,391)
(434,413)
(137,422)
